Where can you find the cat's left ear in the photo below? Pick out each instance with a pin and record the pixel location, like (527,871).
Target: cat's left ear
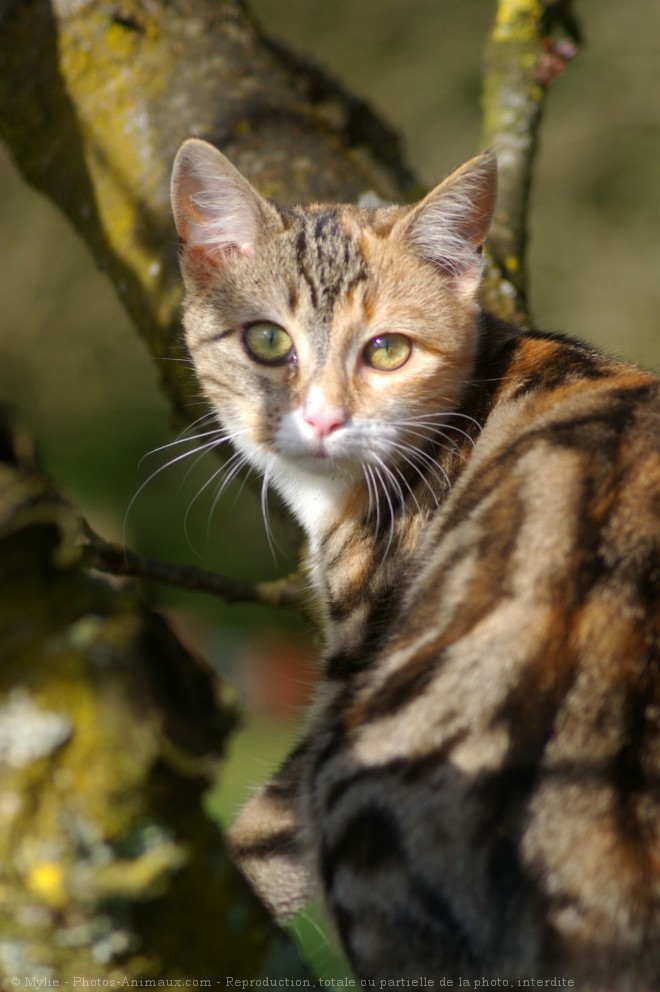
(449,226)
(217,211)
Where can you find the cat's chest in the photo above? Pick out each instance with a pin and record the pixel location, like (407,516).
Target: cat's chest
(316,500)
(361,576)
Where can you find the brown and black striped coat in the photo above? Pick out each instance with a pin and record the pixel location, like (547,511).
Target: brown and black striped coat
(477,792)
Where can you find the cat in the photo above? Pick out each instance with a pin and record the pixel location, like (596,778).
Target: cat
(477,790)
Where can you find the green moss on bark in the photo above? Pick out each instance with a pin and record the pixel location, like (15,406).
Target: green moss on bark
(110,733)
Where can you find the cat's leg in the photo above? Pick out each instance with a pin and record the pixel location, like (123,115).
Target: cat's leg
(268,840)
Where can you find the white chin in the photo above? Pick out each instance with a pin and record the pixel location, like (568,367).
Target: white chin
(321,463)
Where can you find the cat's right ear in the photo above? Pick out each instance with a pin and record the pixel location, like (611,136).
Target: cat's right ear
(217,212)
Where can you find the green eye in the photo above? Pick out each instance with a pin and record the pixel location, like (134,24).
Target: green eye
(268,343)
(387,352)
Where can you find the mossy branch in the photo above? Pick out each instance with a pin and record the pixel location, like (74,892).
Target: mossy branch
(94,101)
(530,44)
(110,732)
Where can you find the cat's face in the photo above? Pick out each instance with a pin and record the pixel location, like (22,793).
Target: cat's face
(331,338)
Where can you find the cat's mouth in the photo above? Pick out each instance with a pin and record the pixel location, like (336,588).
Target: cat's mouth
(319,459)
(296,441)
(320,450)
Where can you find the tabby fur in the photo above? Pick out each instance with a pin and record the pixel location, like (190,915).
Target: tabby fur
(477,790)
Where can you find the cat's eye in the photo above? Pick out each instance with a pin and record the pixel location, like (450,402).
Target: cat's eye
(387,352)
(268,343)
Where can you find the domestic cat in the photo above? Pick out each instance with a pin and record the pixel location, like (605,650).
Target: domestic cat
(477,791)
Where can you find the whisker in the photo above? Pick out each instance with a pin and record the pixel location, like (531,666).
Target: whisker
(272,544)
(451,446)
(208,446)
(218,437)
(478,382)
(383,483)
(320,954)
(457,430)
(369,473)
(209,415)
(390,474)
(407,484)
(445,414)
(434,467)
(418,471)
(435,427)
(192,465)
(218,433)
(237,456)
(190,506)
(232,471)
(169,358)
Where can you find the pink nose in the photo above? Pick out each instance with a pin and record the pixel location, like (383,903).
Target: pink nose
(325,420)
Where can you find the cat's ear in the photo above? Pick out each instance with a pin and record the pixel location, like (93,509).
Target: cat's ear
(217,212)
(449,226)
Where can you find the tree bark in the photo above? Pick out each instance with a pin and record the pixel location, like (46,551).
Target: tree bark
(529,47)
(110,732)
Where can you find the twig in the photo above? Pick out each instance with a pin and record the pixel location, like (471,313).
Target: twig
(116,560)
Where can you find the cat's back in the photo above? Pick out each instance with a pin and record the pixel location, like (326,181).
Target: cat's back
(501,758)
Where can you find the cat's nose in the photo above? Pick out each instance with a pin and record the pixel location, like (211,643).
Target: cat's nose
(324,420)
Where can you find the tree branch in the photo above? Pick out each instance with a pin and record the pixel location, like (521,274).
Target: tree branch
(94,101)
(110,733)
(290,591)
(529,47)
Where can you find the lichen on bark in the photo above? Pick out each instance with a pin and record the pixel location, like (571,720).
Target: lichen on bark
(110,733)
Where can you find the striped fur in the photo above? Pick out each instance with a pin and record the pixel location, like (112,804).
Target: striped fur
(477,791)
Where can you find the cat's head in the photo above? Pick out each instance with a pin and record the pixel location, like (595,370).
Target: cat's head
(330,337)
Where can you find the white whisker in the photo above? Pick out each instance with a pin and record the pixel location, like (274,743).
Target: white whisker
(220,471)
(190,506)
(208,447)
(383,482)
(440,427)
(434,467)
(168,358)
(416,468)
(218,433)
(232,470)
(272,544)
(407,484)
(445,415)
(218,437)
(370,474)
(192,466)
(452,445)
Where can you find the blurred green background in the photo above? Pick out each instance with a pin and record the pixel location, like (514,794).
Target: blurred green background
(72,365)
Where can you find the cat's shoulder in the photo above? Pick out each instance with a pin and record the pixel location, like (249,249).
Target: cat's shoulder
(570,436)
(556,388)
